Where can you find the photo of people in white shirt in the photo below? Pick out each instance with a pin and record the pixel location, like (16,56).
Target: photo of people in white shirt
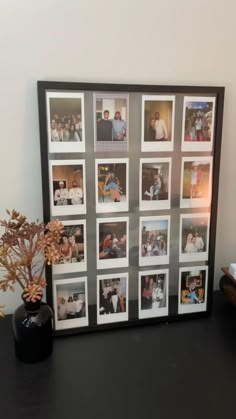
(158,122)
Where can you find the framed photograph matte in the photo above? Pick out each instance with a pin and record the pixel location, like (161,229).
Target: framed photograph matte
(132,171)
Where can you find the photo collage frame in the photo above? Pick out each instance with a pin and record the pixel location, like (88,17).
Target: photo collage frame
(132,172)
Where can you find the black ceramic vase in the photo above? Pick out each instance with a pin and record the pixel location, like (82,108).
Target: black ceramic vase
(33,332)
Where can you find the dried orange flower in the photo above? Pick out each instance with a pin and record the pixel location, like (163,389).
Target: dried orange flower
(25,249)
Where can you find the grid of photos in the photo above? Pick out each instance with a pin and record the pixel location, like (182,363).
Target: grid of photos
(112,298)
(153,293)
(158,116)
(70,303)
(67,187)
(65,122)
(112,185)
(66,133)
(193,282)
(111,122)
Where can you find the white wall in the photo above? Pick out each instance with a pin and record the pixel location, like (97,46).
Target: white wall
(125,41)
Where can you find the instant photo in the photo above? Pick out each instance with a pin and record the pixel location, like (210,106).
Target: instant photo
(70,303)
(154,184)
(158,112)
(67,187)
(72,248)
(111,122)
(154,240)
(198,123)
(112,185)
(112,298)
(193,289)
(153,293)
(112,242)
(196,182)
(65,122)
(194,237)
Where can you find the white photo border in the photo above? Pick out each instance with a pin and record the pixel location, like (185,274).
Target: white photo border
(113,317)
(198,145)
(114,206)
(113,263)
(66,209)
(196,202)
(154,260)
(65,147)
(58,269)
(152,145)
(159,312)
(194,257)
(70,323)
(158,204)
(193,308)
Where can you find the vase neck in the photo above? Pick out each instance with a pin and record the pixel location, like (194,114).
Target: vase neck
(30,306)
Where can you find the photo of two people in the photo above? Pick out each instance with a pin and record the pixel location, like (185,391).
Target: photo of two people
(112,298)
(112,242)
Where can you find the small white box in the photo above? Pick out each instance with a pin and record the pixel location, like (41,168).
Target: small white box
(232,269)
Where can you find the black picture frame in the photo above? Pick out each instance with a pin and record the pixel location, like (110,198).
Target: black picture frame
(218,93)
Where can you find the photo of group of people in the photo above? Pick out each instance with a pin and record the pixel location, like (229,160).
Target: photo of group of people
(70,302)
(65,118)
(153,293)
(155,181)
(112,298)
(67,187)
(198,123)
(194,237)
(112,242)
(73,248)
(196,182)
(193,284)
(154,240)
(66,122)
(112,185)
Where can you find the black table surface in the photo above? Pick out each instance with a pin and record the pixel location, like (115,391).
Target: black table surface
(179,370)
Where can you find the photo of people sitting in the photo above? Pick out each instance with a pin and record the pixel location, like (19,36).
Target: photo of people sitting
(194,234)
(155,181)
(112,295)
(68,185)
(72,244)
(192,287)
(153,292)
(198,121)
(158,120)
(196,179)
(65,119)
(111,182)
(71,301)
(112,240)
(154,238)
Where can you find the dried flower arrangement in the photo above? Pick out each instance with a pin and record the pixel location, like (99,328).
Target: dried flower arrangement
(25,249)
